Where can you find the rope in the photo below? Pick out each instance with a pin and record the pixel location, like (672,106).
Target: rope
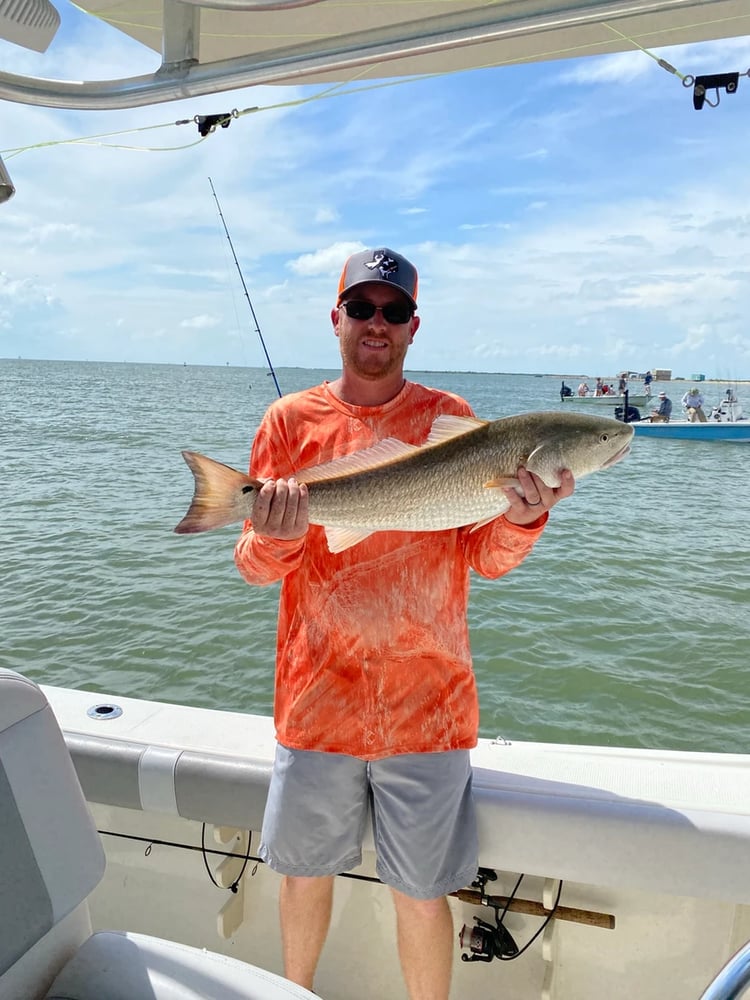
(234,887)
(662,62)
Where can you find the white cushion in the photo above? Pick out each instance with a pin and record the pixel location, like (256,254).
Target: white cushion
(21,698)
(113,965)
(51,856)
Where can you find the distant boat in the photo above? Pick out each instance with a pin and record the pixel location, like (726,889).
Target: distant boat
(608,399)
(725,423)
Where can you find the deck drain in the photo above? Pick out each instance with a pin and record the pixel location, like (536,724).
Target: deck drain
(104,712)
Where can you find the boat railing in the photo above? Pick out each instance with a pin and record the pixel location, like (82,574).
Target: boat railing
(733,980)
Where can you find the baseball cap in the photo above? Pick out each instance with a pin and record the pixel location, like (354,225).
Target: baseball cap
(694,391)
(379,265)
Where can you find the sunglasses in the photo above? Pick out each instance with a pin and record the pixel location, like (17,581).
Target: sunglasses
(395,313)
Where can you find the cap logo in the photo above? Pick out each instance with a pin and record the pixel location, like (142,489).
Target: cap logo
(385,264)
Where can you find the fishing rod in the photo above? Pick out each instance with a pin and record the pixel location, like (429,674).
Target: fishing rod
(247,295)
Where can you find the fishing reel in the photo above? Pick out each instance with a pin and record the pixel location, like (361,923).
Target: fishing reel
(485,941)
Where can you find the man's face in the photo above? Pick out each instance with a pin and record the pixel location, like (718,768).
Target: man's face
(373,348)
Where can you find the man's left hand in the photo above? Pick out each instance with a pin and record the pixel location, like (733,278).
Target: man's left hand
(537,496)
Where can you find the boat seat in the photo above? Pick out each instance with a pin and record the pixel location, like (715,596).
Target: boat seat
(51,859)
(119,965)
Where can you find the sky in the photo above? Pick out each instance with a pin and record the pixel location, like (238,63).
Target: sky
(573,217)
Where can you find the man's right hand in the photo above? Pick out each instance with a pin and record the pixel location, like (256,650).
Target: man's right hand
(281,509)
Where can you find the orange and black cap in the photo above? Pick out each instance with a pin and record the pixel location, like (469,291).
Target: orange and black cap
(379,265)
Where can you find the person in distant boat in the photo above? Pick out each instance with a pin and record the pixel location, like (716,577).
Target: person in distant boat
(693,402)
(622,384)
(375,701)
(648,378)
(598,388)
(583,389)
(662,414)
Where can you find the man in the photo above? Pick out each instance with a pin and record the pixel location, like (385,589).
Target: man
(375,699)
(664,411)
(693,403)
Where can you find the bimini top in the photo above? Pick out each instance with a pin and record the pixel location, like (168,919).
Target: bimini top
(208,46)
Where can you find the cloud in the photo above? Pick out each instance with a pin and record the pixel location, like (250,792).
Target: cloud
(326,215)
(608,69)
(327,260)
(535,154)
(200,322)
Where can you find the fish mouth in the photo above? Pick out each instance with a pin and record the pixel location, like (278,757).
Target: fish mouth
(617,457)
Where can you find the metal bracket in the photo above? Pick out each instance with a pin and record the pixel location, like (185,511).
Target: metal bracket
(208,123)
(713,81)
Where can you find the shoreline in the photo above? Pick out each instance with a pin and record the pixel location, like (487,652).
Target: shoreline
(408,370)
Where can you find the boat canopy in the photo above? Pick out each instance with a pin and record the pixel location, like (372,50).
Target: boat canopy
(209,46)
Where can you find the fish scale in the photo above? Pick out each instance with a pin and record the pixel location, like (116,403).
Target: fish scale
(417,497)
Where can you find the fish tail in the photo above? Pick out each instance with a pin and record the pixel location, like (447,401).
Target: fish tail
(219,497)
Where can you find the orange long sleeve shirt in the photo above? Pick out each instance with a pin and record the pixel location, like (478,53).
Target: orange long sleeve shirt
(372,653)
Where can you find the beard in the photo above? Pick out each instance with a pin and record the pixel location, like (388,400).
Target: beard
(373,364)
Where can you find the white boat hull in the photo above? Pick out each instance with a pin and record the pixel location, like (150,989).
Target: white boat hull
(683,430)
(607,400)
(657,840)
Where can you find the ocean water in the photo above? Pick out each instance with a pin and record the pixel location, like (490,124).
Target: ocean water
(629,625)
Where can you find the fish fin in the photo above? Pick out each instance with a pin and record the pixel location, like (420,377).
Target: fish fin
(550,477)
(218,496)
(531,455)
(340,539)
(385,451)
(503,483)
(444,428)
(448,426)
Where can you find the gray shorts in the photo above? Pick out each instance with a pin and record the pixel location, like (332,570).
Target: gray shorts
(423,818)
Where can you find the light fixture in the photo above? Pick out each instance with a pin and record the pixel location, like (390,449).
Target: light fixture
(6,184)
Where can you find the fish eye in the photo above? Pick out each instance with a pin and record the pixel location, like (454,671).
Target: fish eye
(604,438)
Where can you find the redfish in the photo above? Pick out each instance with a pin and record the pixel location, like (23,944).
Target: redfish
(455,478)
